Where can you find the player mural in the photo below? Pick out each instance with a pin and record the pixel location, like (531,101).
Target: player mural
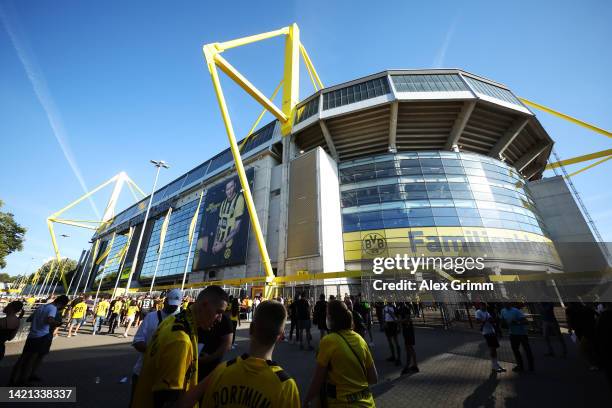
(224,228)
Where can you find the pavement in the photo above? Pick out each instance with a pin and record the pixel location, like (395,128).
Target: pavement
(455,371)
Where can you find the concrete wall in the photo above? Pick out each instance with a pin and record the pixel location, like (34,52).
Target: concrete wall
(575,243)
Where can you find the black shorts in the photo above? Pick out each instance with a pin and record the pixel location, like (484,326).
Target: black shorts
(391,329)
(491,340)
(408,333)
(38,345)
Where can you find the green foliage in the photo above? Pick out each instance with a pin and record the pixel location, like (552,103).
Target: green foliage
(11,236)
(6,278)
(67,265)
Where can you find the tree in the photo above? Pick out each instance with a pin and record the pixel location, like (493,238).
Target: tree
(66,265)
(6,278)
(11,236)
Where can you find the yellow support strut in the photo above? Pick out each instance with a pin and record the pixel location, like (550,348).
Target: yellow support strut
(567,117)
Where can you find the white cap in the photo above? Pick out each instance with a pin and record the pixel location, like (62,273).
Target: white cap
(174,297)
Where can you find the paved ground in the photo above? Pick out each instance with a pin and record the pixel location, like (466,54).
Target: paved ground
(455,372)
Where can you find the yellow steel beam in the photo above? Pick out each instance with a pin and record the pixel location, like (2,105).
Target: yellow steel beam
(241,173)
(85,221)
(314,76)
(85,196)
(133,184)
(226,45)
(249,88)
(579,159)
(590,166)
(567,117)
(261,115)
(291,77)
(72,223)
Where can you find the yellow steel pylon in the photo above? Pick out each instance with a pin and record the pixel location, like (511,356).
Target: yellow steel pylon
(119,181)
(285,114)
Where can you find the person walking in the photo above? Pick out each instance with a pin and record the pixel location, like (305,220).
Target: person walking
(39,340)
(234,317)
(9,324)
(130,317)
(319,315)
(517,327)
(345,367)
(79,314)
(390,320)
(407,328)
(302,310)
(487,328)
(550,328)
(294,326)
(100,312)
(113,321)
(362,307)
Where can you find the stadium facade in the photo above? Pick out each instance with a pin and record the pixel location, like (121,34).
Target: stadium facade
(372,167)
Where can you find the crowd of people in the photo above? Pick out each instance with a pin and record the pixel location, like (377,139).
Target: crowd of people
(181,343)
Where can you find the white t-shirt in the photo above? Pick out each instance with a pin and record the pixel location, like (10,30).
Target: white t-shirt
(483,317)
(145,332)
(40,326)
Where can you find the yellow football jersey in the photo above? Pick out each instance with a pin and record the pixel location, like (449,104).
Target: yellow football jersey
(229,212)
(347,373)
(250,382)
(171,359)
(102,308)
(78,312)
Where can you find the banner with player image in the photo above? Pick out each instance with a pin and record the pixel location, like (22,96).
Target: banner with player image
(224,227)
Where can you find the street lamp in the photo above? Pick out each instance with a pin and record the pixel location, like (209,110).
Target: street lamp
(159,164)
(55,273)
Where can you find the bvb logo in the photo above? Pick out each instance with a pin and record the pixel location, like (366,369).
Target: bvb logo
(374,244)
(227,253)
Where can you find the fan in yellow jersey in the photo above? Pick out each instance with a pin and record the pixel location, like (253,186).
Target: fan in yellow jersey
(100,314)
(115,307)
(345,360)
(252,380)
(130,316)
(170,365)
(230,213)
(79,312)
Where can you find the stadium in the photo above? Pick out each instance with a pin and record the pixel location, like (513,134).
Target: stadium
(381,165)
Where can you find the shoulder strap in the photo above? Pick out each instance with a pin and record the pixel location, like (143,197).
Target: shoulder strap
(159,317)
(361,364)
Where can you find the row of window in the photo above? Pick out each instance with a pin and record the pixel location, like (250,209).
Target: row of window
(431,191)
(441,222)
(429,83)
(176,243)
(257,139)
(355,93)
(487,194)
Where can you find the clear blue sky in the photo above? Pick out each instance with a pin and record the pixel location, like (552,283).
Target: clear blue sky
(88,89)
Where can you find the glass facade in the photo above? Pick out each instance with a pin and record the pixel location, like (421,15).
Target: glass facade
(429,83)
(435,189)
(176,243)
(493,91)
(110,266)
(355,93)
(307,110)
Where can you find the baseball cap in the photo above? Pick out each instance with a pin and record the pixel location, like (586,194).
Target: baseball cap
(174,297)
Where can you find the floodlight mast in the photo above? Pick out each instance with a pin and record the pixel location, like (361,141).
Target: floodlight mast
(159,164)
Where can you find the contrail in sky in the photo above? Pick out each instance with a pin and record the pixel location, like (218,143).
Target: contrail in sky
(39,84)
(439,60)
